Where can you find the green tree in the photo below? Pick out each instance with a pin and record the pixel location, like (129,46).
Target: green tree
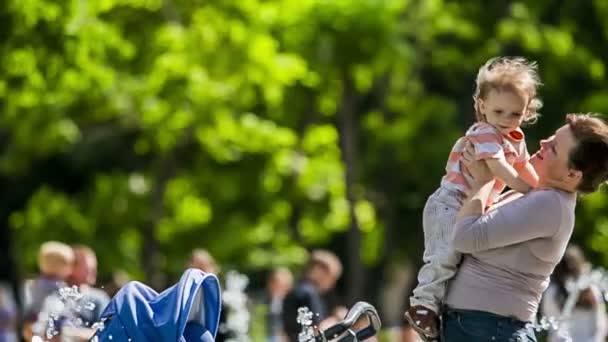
(259,129)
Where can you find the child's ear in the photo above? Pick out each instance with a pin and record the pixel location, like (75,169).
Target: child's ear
(482,107)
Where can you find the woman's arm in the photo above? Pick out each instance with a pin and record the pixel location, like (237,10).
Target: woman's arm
(505,198)
(481,187)
(523,219)
(536,215)
(475,204)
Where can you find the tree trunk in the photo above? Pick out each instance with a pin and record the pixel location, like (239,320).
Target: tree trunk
(348,140)
(152,259)
(8,272)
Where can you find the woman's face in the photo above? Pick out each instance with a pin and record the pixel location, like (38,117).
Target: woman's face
(551,160)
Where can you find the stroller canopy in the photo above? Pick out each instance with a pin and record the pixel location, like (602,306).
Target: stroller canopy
(186,312)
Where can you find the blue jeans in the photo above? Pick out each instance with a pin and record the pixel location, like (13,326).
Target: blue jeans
(480,326)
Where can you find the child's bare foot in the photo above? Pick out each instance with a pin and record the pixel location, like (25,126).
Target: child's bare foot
(425,321)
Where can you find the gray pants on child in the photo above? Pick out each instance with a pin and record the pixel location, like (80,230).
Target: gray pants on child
(440,259)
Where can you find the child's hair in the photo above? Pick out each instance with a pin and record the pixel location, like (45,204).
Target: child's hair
(55,258)
(509,74)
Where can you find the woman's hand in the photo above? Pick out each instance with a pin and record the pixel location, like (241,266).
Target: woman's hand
(483,182)
(477,168)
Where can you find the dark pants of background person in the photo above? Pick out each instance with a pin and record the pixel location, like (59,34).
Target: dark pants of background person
(479,326)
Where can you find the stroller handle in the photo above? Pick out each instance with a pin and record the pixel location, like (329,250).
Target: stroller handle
(353,315)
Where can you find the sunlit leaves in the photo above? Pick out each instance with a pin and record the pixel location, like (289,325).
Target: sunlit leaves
(208,86)
(225,116)
(50,215)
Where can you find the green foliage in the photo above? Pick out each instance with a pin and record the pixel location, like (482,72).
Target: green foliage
(217,123)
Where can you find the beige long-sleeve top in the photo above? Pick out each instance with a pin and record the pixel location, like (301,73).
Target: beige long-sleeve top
(510,252)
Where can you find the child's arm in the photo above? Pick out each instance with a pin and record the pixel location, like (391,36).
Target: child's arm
(527,173)
(501,169)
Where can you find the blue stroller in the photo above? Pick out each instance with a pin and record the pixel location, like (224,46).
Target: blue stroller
(186,312)
(189,311)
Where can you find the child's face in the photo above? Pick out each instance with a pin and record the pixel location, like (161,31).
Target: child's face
(504,110)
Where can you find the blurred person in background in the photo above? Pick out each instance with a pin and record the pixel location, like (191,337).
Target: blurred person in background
(320,275)
(8,315)
(587,322)
(90,301)
(279,283)
(203,260)
(55,261)
(84,276)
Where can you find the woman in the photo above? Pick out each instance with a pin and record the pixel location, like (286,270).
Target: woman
(512,249)
(586,315)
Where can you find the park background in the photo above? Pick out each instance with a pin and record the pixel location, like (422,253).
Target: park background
(260,129)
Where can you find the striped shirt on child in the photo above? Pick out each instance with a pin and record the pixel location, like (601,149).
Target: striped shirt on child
(489,143)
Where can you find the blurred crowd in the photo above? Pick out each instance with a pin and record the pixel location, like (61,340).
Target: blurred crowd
(68,276)
(574,294)
(70,273)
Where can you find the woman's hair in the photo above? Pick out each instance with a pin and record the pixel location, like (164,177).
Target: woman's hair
(590,155)
(514,74)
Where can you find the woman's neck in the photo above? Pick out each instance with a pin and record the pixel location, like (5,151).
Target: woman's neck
(556,184)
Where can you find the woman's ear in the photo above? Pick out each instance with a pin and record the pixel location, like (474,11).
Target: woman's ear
(575,175)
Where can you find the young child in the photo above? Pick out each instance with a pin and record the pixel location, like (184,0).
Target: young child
(55,261)
(505,97)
